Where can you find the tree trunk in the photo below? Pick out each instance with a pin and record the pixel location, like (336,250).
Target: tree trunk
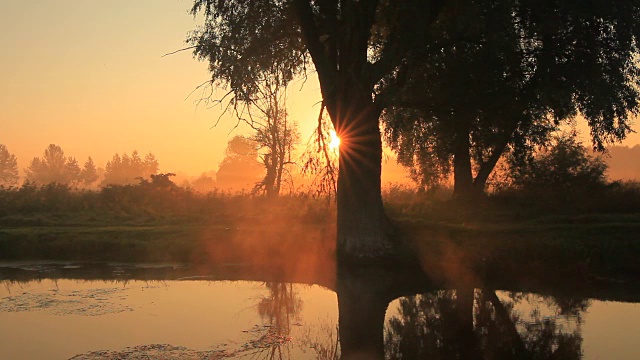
(347,85)
(364,231)
(486,168)
(462,176)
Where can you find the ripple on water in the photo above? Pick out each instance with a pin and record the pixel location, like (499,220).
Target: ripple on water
(88,302)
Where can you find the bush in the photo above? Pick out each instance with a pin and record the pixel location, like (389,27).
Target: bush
(565,168)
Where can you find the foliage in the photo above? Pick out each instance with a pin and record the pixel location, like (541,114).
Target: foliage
(245,42)
(8,167)
(566,167)
(507,75)
(258,84)
(125,169)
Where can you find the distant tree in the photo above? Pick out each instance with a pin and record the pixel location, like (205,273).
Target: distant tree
(275,134)
(240,168)
(54,167)
(125,169)
(205,182)
(89,173)
(8,167)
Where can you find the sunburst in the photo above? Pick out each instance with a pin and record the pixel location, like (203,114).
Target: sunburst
(334,140)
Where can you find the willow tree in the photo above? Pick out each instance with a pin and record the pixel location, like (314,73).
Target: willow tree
(514,72)
(356,48)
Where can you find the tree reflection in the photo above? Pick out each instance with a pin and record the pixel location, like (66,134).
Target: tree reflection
(468,324)
(279,310)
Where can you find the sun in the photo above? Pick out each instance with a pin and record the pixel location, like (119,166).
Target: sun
(334,140)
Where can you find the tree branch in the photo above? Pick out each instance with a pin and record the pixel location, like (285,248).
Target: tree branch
(311,36)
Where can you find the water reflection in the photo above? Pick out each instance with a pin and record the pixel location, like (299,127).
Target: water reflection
(466,324)
(380,313)
(280,309)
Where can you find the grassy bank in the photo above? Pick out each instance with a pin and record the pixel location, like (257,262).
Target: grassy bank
(137,223)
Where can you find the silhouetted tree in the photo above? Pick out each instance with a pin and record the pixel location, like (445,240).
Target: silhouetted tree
(240,168)
(54,167)
(511,72)
(125,169)
(353,45)
(8,167)
(276,135)
(364,52)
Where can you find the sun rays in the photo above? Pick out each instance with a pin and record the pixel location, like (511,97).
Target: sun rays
(334,140)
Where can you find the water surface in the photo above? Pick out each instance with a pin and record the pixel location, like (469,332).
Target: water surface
(62,311)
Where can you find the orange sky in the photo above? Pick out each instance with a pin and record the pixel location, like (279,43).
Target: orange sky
(89,76)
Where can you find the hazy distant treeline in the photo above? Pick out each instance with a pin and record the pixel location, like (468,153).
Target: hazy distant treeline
(56,167)
(240,170)
(565,179)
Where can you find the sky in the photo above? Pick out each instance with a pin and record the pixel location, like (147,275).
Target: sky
(90,76)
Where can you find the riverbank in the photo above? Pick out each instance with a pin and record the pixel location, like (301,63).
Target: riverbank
(603,244)
(596,234)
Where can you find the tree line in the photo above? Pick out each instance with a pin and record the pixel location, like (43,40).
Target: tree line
(56,167)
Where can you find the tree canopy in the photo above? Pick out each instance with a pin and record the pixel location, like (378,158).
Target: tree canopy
(518,71)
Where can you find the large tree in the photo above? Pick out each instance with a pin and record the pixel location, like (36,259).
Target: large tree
(512,73)
(365,53)
(353,46)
